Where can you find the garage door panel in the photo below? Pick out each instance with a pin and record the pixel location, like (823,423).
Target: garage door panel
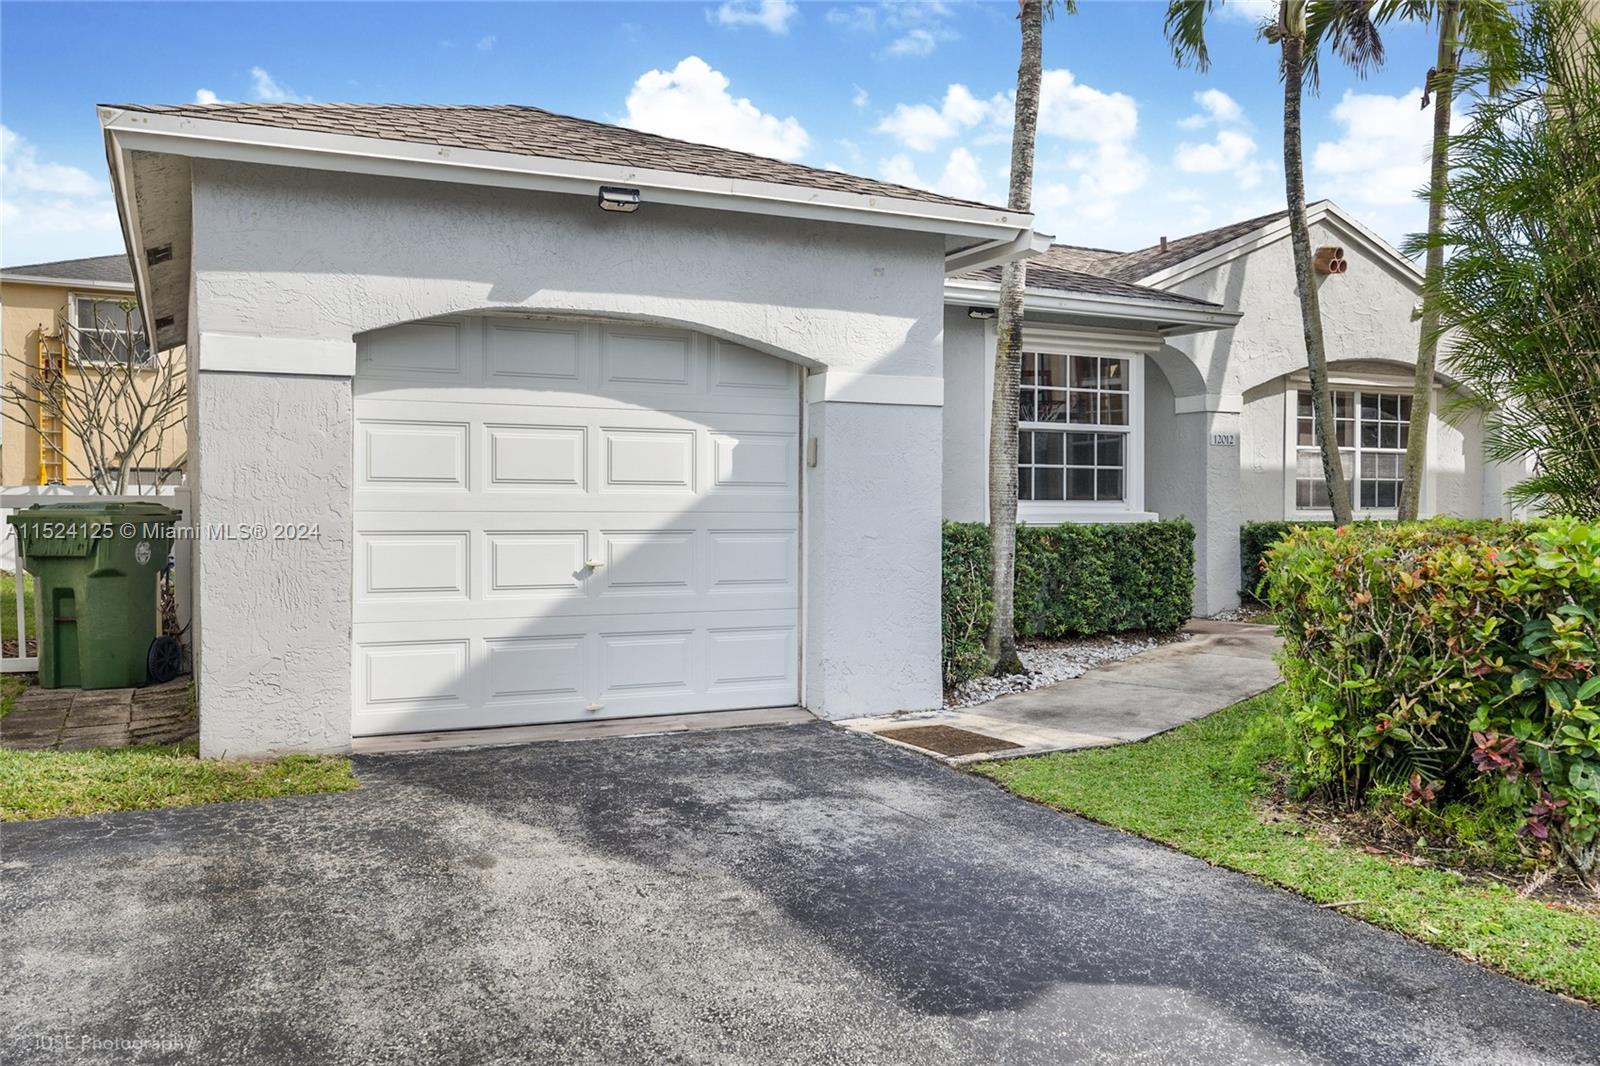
(413,565)
(398,456)
(532,356)
(559,521)
(535,458)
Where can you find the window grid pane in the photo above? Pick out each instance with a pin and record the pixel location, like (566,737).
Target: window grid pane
(1060,465)
(1372,430)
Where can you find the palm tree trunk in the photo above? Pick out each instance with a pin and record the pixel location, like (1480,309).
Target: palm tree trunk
(1002,643)
(1442,85)
(1305,280)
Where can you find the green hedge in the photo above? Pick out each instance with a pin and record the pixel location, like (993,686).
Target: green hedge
(1255,539)
(1072,580)
(1455,661)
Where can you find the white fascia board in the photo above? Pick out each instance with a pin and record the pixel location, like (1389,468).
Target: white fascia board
(1025,245)
(1272,232)
(78,284)
(1170,316)
(278,146)
(120,165)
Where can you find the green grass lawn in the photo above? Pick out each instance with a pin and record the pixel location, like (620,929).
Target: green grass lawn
(1200,789)
(8,603)
(49,784)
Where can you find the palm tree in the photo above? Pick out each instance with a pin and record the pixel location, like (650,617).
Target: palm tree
(1487,28)
(1002,642)
(1299,30)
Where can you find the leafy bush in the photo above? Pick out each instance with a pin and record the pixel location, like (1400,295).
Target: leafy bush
(1072,580)
(1255,538)
(1456,660)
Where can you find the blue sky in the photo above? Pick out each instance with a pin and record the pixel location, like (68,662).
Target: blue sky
(1130,148)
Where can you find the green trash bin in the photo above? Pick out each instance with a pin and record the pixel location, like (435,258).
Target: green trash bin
(95,569)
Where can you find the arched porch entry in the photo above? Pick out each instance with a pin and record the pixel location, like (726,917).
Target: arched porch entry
(565,518)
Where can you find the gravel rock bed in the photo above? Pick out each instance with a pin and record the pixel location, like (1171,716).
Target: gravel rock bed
(1049,662)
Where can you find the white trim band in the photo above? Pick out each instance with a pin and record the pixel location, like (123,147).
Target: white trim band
(839,386)
(238,354)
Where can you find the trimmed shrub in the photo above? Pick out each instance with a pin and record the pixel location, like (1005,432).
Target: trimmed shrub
(1255,539)
(1453,660)
(1072,580)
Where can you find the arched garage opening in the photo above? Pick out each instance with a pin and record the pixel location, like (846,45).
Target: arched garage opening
(567,518)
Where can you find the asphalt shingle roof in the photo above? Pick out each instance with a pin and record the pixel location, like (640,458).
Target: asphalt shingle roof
(112,269)
(1064,268)
(532,131)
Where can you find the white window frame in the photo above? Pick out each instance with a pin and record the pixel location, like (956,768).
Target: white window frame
(1131,507)
(1292,511)
(77,357)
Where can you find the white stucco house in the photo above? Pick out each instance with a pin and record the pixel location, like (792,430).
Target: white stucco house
(502,417)
(1171,381)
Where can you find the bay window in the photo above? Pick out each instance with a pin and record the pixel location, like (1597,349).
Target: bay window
(1372,429)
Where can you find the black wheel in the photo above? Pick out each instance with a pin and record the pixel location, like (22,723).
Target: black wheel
(165,660)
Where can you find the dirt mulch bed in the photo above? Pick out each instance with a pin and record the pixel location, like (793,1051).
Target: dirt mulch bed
(1379,834)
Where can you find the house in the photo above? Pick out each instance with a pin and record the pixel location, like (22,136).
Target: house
(1171,381)
(90,294)
(500,416)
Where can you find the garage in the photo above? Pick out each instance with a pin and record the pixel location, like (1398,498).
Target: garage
(560,520)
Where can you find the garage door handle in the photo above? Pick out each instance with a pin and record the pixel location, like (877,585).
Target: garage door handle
(593,564)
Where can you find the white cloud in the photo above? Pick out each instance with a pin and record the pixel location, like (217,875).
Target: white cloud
(920,127)
(915,42)
(486,42)
(860,98)
(692,102)
(206,96)
(773,16)
(963,177)
(269,91)
(899,169)
(1068,108)
(860,18)
(1248,11)
(1381,156)
(1216,107)
(1230,152)
(51,210)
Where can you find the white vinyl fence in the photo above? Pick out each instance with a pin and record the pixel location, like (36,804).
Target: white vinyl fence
(13,499)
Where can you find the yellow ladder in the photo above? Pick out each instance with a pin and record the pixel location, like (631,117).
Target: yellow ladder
(51,361)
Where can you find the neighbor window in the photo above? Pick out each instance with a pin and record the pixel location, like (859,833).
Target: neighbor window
(1371,429)
(109,330)
(1073,420)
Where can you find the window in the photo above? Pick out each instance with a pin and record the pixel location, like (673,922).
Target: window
(1088,464)
(1371,429)
(108,330)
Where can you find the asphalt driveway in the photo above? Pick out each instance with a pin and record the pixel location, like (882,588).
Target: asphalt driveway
(788,894)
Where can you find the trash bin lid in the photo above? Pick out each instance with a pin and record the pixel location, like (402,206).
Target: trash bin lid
(92,510)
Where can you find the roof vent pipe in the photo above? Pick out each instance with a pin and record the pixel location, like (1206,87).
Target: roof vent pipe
(1163,244)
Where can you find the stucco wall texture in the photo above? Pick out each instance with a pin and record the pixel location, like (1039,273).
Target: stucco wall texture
(306,258)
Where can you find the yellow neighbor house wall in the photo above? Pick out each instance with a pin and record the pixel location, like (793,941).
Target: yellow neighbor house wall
(26,308)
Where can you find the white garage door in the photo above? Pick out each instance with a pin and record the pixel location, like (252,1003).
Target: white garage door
(561,520)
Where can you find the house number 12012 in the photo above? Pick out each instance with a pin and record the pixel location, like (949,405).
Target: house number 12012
(1224,440)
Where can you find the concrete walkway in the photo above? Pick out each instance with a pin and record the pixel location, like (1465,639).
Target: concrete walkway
(74,719)
(1220,664)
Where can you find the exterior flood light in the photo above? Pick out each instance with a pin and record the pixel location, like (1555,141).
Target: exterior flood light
(614,199)
(980,312)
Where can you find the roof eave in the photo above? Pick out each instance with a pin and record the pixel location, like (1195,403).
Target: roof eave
(1169,316)
(128,131)
(1271,232)
(66,283)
